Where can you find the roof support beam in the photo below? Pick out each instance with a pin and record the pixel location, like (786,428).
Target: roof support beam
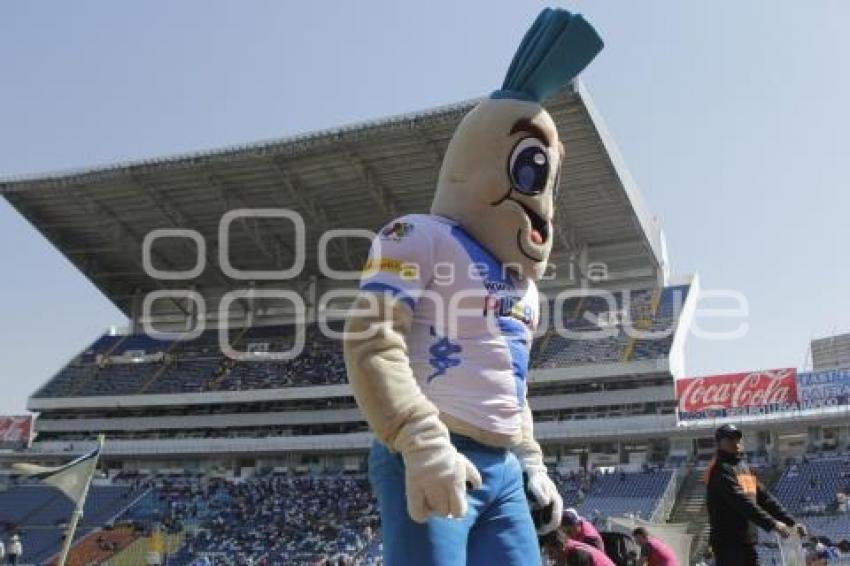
(264,238)
(379,191)
(175,218)
(564,232)
(319,216)
(119,232)
(437,153)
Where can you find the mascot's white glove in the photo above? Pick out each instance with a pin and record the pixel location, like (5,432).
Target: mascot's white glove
(436,474)
(540,485)
(544,491)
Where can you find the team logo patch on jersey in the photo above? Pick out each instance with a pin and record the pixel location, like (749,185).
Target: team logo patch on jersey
(398,267)
(396,231)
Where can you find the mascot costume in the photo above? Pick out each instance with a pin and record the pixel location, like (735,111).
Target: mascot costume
(437,342)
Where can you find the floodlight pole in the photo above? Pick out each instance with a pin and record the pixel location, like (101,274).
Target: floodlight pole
(78,509)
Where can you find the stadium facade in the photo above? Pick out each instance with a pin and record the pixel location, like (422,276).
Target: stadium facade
(831,352)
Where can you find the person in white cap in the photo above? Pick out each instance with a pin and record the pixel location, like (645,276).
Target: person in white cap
(15,549)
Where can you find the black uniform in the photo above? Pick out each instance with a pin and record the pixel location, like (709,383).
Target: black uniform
(737,503)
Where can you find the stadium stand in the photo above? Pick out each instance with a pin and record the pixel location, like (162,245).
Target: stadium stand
(139,364)
(586,316)
(602,495)
(38,513)
(662,320)
(269,518)
(198,365)
(100,545)
(812,488)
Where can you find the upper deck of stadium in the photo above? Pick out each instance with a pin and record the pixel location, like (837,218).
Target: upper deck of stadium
(355,177)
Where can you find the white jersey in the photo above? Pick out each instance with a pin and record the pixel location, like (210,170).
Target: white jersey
(472,321)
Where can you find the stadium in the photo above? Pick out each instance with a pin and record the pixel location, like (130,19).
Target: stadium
(221,420)
(261,460)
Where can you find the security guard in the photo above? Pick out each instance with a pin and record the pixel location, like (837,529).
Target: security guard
(738,503)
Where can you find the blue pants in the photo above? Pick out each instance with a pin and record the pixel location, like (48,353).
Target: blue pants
(497,528)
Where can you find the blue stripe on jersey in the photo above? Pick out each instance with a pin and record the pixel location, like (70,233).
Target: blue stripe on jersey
(514,333)
(512,330)
(377,287)
(478,254)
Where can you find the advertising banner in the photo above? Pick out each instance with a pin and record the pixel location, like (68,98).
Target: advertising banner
(15,431)
(826,388)
(737,394)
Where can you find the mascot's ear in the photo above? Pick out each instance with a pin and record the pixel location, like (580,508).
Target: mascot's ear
(553,52)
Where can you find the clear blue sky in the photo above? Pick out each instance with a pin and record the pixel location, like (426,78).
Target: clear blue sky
(733,117)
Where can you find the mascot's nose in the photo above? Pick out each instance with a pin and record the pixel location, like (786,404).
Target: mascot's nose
(539,225)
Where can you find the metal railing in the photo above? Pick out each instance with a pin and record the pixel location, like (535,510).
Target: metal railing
(668,500)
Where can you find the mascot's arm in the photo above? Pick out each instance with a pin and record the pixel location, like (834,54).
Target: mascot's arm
(398,412)
(540,485)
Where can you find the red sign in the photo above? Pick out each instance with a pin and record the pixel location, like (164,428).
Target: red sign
(15,431)
(716,395)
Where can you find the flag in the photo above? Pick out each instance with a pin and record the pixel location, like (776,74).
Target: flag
(72,478)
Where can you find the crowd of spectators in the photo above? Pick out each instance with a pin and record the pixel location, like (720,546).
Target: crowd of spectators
(587,317)
(267,519)
(126,365)
(274,518)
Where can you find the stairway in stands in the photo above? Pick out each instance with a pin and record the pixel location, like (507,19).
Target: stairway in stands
(690,508)
(136,553)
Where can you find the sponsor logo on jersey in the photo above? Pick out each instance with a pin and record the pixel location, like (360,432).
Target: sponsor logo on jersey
(497,286)
(398,267)
(509,306)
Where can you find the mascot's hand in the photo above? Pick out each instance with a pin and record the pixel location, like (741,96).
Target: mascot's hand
(436,474)
(545,493)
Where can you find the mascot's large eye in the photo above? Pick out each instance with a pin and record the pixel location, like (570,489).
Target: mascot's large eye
(529,166)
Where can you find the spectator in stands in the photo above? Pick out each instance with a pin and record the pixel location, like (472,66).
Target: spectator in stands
(653,551)
(578,528)
(2,551)
(818,555)
(737,502)
(841,502)
(563,551)
(15,549)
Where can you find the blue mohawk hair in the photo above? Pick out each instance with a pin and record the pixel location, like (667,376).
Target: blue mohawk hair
(557,47)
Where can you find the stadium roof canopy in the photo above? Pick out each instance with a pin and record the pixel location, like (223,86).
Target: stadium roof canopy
(359,176)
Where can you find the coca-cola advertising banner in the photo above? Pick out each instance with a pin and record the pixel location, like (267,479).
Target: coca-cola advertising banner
(15,431)
(737,394)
